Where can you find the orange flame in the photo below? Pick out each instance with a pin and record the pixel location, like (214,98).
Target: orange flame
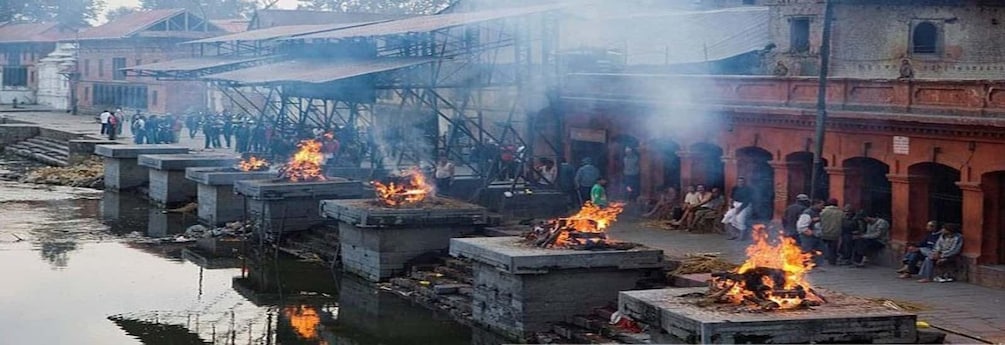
(304,320)
(412,191)
(306,163)
(590,218)
(786,257)
(253,164)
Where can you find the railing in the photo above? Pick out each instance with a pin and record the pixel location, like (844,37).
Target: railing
(967,98)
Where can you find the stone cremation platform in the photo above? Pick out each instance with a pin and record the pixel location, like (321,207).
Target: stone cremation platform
(520,288)
(168,185)
(376,242)
(218,203)
(284,206)
(679,315)
(122,169)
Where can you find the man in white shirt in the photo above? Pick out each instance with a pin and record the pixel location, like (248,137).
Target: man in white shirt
(692,197)
(104,121)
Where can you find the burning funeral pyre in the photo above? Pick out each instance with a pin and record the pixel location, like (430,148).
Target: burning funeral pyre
(306,164)
(408,188)
(253,164)
(585,230)
(773,277)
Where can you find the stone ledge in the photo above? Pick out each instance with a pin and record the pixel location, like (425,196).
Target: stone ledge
(134,151)
(507,255)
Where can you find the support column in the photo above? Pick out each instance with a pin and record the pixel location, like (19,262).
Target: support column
(729,172)
(648,172)
(686,168)
(900,186)
(781,187)
(836,190)
(973,221)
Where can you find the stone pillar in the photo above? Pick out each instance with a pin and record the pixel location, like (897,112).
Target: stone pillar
(781,187)
(729,173)
(973,221)
(686,168)
(836,180)
(900,186)
(648,172)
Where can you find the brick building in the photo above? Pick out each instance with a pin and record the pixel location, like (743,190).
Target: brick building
(135,39)
(22,45)
(918,149)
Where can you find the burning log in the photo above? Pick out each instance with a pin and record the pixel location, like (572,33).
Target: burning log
(407,189)
(305,164)
(253,164)
(585,230)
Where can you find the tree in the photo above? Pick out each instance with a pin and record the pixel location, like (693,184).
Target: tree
(117,12)
(209,9)
(376,6)
(67,12)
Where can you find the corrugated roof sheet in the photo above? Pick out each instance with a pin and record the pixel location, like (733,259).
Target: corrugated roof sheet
(675,37)
(275,32)
(193,64)
(429,23)
(131,24)
(32,32)
(231,25)
(313,71)
(276,17)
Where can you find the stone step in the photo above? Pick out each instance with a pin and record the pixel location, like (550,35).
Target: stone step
(28,151)
(53,141)
(44,146)
(40,157)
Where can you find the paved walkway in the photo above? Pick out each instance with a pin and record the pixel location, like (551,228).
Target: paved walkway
(958,307)
(87,124)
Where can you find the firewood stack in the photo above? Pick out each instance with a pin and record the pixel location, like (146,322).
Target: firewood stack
(761,293)
(558,233)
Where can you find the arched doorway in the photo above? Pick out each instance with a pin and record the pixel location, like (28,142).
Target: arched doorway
(801,176)
(934,195)
(666,152)
(993,185)
(866,185)
(706,165)
(752,164)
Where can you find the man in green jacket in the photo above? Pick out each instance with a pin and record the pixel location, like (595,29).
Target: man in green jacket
(598,194)
(830,229)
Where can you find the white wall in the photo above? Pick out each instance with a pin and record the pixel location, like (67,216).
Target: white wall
(53,86)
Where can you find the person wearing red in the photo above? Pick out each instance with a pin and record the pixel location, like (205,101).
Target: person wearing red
(329,148)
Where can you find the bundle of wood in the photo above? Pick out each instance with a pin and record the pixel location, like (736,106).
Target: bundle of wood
(90,174)
(703,263)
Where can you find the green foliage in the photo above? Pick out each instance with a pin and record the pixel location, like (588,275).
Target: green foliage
(120,11)
(67,12)
(376,6)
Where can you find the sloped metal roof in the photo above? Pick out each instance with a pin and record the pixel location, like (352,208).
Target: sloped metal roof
(32,32)
(133,23)
(276,32)
(429,23)
(313,71)
(193,64)
(280,17)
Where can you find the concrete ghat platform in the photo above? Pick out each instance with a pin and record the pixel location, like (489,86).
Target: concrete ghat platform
(433,211)
(122,170)
(506,254)
(845,319)
(218,203)
(168,185)
(377,242)
(519,290)
(286,206)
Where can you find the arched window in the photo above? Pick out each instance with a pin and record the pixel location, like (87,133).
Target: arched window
(925,39)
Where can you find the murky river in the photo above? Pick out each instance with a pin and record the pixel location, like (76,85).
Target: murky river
(72,272)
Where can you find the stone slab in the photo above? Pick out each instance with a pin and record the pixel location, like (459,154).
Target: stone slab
(179,162)
(169,187)
(845,319)
(432,212)
(124,173)
(219,205)
(507,254)
(380,253)
(333,188)
(133,151)
(223,176)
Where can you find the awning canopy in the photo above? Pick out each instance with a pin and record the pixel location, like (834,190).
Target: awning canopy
(193,64)
(313,71)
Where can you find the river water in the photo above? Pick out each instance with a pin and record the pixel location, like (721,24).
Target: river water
(73,270)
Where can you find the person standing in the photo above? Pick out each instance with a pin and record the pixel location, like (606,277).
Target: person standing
(228,129)
(631,172)
(792,214)
(150,128)
(548,172)
(444,175)
(738,215)
(831,219)
(104,121)
(850,226)
(586,177)
(113,124)
(809,229)
(138,129)
(598,193)
(121,117)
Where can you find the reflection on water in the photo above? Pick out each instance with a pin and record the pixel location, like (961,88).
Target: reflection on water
(69,278)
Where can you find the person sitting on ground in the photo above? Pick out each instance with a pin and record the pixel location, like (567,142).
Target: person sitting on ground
(872,241)
(598,194)
(949,245)
(710,207)
(809,229)
(698,198)
(917,252)
(664,206)
(850,226)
